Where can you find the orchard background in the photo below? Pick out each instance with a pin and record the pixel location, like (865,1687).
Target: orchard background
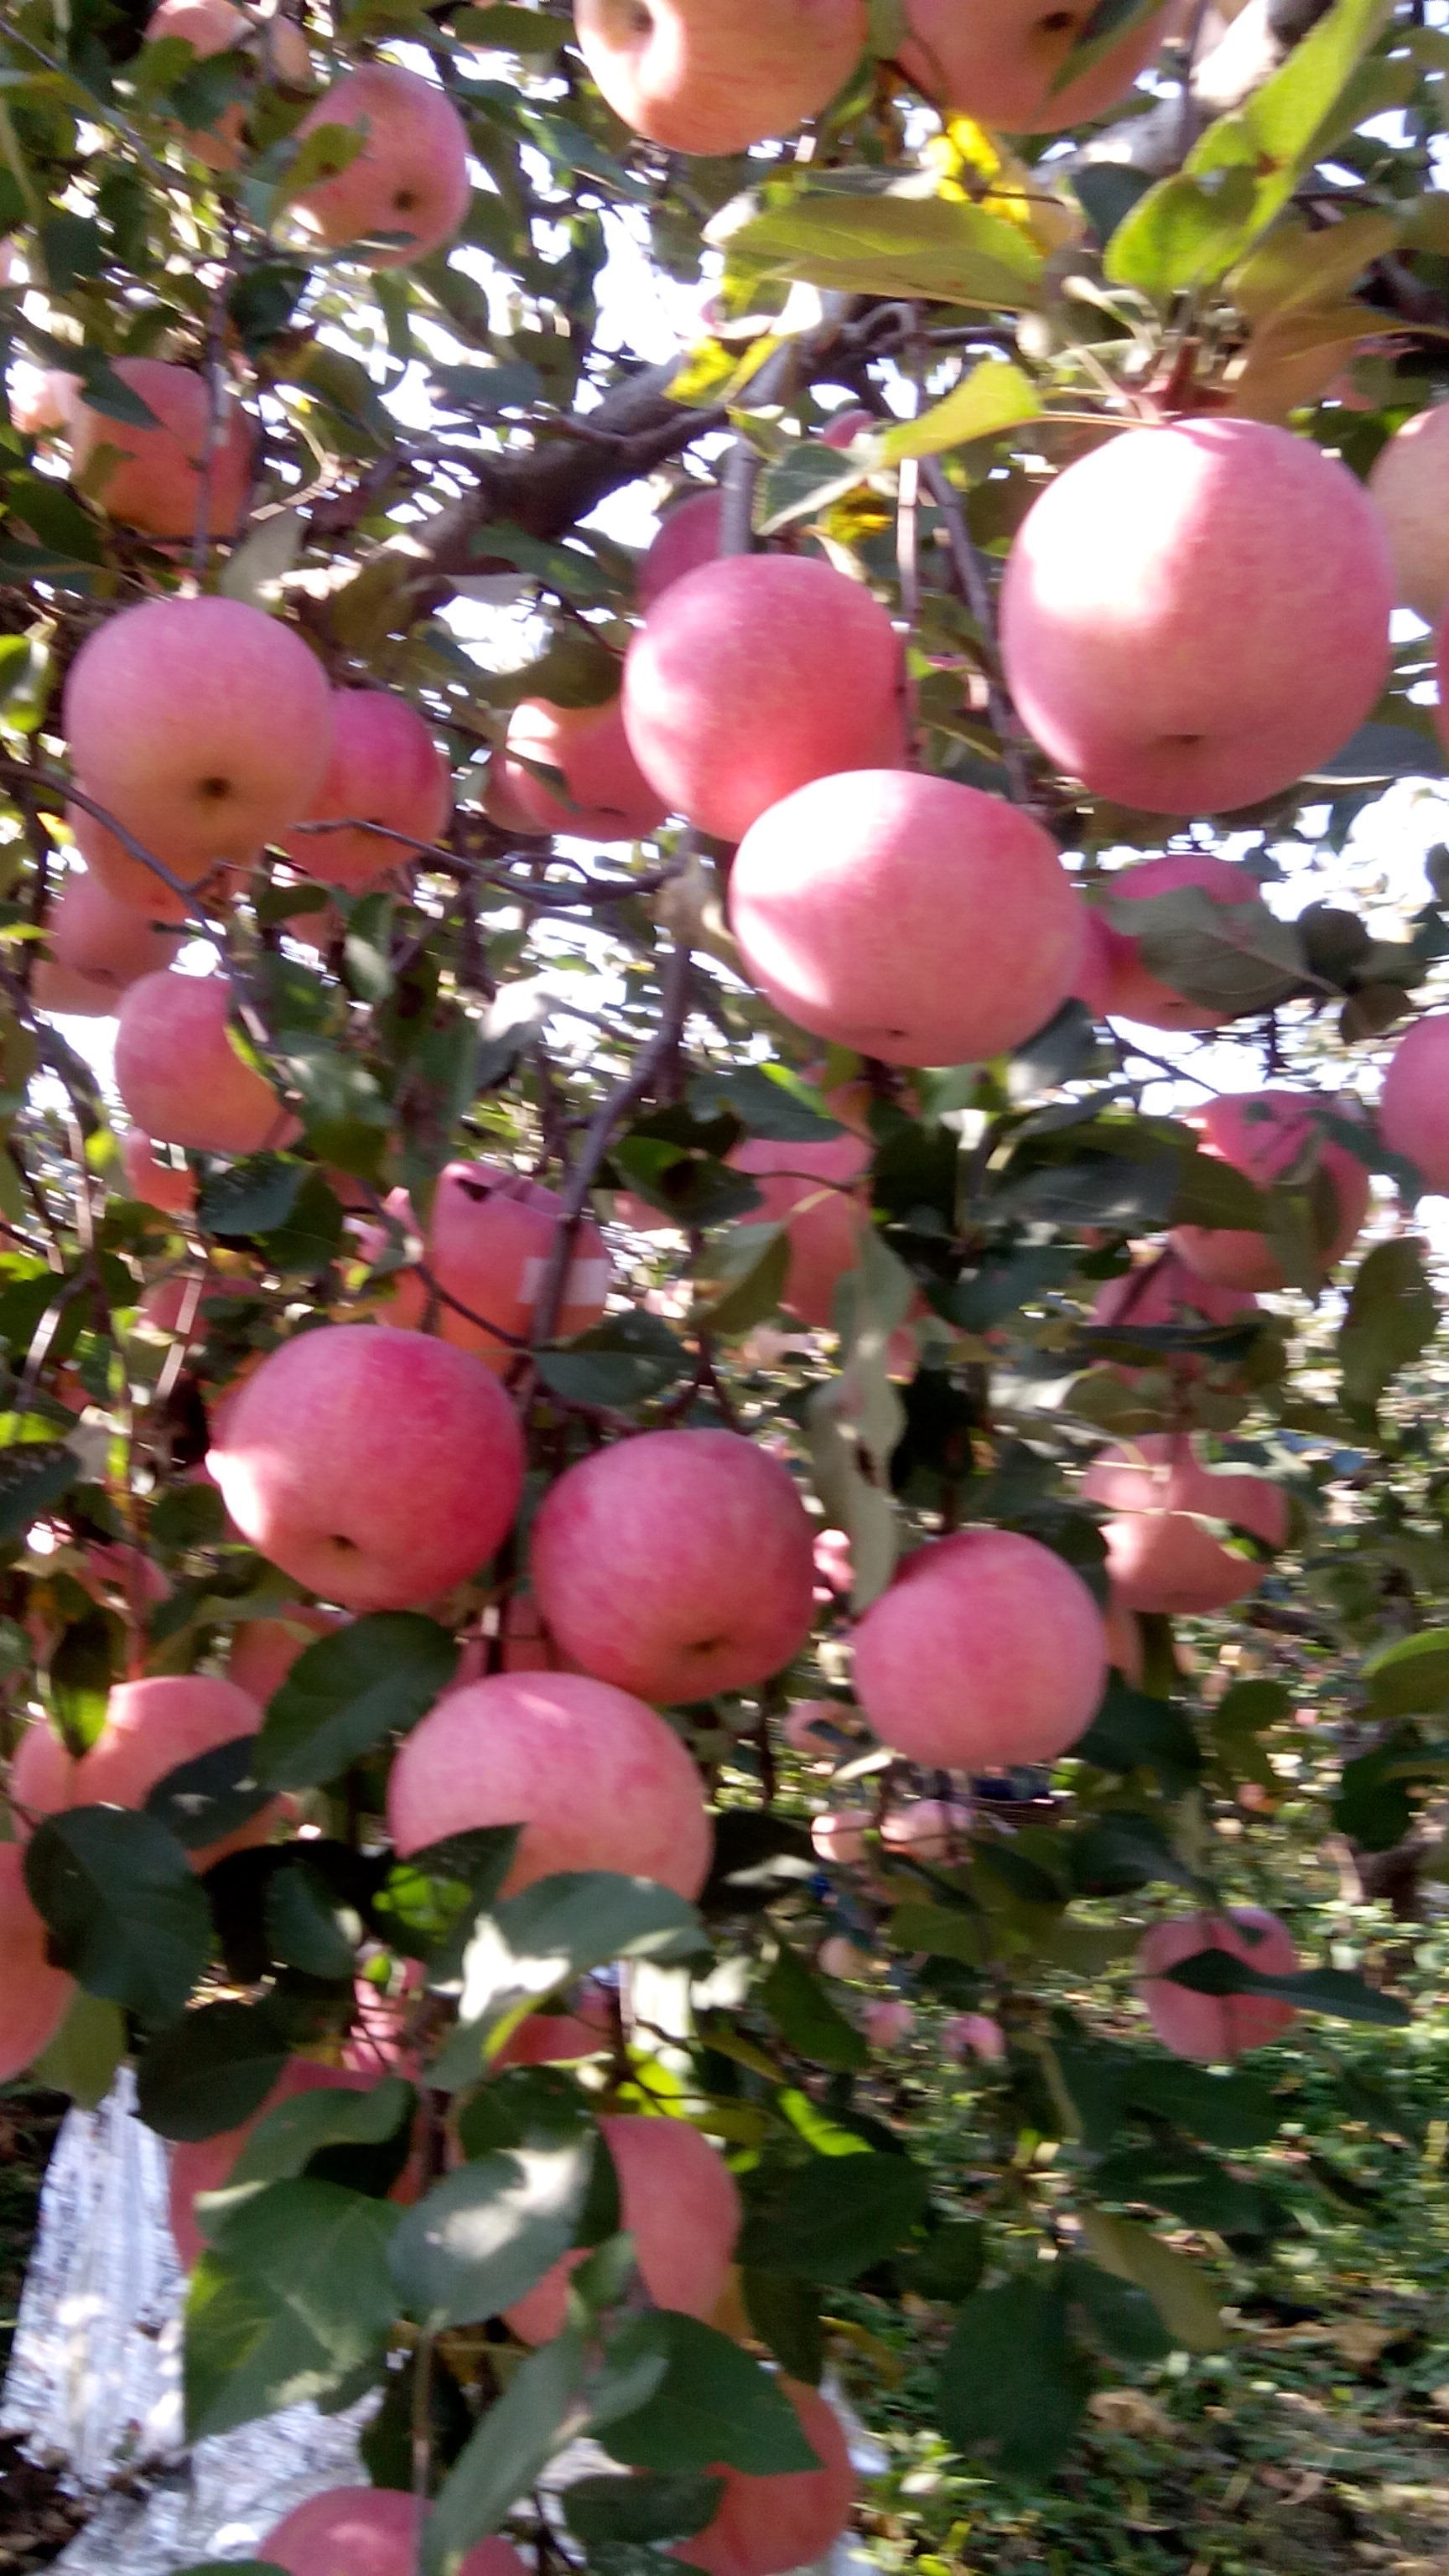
(748,1609)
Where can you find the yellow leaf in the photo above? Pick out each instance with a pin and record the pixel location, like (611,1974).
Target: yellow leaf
(1179,2290)
(995,396)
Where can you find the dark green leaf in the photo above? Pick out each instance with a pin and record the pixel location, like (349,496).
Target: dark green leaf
(125,1913)
(559,1929)
(349,1692)
(300,2303)
(308,1924)
(1335,1991)
(1010,2383)
(487,2233)
(1232,2111)
(784,2311)
(1134,1732)
(282,2145)
(713,2407)
(33,1475)
(950,2263)
(832,2226)
(515,2441)
(621,1363)
(209,2070)
(1119,2316)
(201,1802)
(84,2056)
(1392,1316)
(640,2509)
(83,1669)
(1411,1677)
(1121,1851)
(808,2020)
(429,1901)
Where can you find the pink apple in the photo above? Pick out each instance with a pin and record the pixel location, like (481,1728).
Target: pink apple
(676,1565)
(609,798)
(973,2035)
(153,481)
(596,1779)
(551,2039)
(1162,1290)
(929,1829)
(838,1957)
(986,1650)
(203,725)
(488,1243)
(385,768)
(1160,1554)
(715,76)
(809,1189)
(41,400)
(180,1076)
(169,1186)
(377,1469)
(368,2531)
(128,880)
(263,1651)
(1125,1650)
(151,1727)
(806,1723)
(998,64)
(1410,482)
(34,1996)
(1194,616)
(680,2203)
(1414,1108)
(1092,982)
(411,176)
(688,536)
(1216,2028)
(905,916)
(886,2025)
(845,427)
(765,2526)
(210,27)
(1129,991)
(98,949)
(840,1835)
(1273,1136)
(754,675)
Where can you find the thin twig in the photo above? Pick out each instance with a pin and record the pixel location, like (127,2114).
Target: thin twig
(976,591)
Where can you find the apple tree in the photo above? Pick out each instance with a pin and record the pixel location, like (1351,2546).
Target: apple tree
(712,1313)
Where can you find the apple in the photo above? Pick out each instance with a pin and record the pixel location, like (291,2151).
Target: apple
(997,63)
(152,479)
(838,1957)
(263,1651)
(205,2164)
(765,2526)
(1194,616)
(1414,1107)
(858,901)
(840,1835)
(596,1779)
(171,1187)
(886,2025)
(1128,990)
(845,427)
(715,76)
(1125,1650)
(930,1829)
(129,881)
(385,768)
(488,1244)
(986,1650)
(609,798)
(376,1468)
(181,1078)
(411,176)
(973,2035)
(369,2531)
(551,2039)
(1270,1135)
(41,400)
(202,725)
(1410,482)
(680,2203)
(1162,1290)
(812,1190)
(98,949)
(1216,2028)
(689,535)
(151,1727)
(754,675)
(1160,1555)
(210,27)
(34,1996)
(675,1565)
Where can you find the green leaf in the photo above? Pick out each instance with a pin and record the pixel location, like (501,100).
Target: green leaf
(283,2144)
(558,1929)
(487,2233)
(1134,1732)
(995,396)
(1122,2317)
(209,2071)
(1236,957)
(1010,2382)
(769,1100)
(807,2019)
(514,2443)
(1099,35)
(299,2303)
(1180,2290)
(1229,2111)
(832,2227)
(808,477)
(742,1278)
(1335,1991)
(714,2407)
(83,1670)
(622,1362)
(308,1925)
(1190,2186)
(1392,1316)
(203,1801)
(784,2312)
(1411,1677)
(126,1916)
(251,1196)
(1121,1851)
(33,1475)
(429,1902)
(950,2263)
(347,1693)
(640,2509)
(935,248)
(83,2058)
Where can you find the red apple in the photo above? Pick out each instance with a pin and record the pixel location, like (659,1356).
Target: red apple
(597,1780)
(1160,1554)
(812,1191)
(1409,481)
(1272,1136)
(680,2203)
(210,27)
(153,478)
(609,798)
(929,1829)
(369,2531)
(263,1651)
(1414,1108)
(986,1650)
(151,1727)
(34,1996)
(997,64)
(181,1078)
(1216,2028)
(488,1244)
(840,1835)
(715,76)
(98,949)
(385,768)
(765,2526)
(688,536)
(411,176)
(171,1187)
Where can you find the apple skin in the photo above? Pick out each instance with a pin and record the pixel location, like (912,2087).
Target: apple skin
(1214,2029)
(155,482)
(180,1077)
(973,2035)
(377,1469)
(715,76)
(368,2531)
(1409,480)
(1128,991)
(995,60)
(680,2203)
(129,881)
(857,900)
(810,1190)
(167,1186)
(210,27)
(610,798)
(1414,1107)
(766,2526)
(676,1565)
(986,1650)
(1159,1555)
(151,1727)
(203,725)
(886,2025)
(1192,617)
(34,1996)
(930,1829)
(263,1651)
(754,675)
(488,1244)
(385,768)
(1165,1291)
(689,535)
(98,949)
(840,1835)
(597,1780)
(1263,1133)
(411,175)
